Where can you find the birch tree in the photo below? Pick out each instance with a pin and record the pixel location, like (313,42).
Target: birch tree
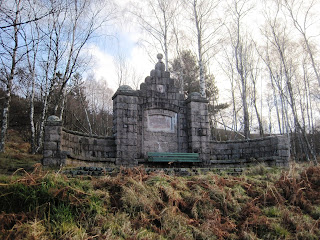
(304,18)
(82,21)
(206,22)
(242,53)
(278,36)
(68,29)
(122,68)
(10,17)
(32,38)
(156,19)
(254,75)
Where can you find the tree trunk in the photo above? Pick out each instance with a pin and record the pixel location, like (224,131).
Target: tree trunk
(5,115)
(5,112)
(32,128)
(200,57)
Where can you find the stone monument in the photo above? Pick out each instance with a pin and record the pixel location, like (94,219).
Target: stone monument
(158,118)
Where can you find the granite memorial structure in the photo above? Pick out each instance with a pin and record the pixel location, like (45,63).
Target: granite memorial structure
(157,118)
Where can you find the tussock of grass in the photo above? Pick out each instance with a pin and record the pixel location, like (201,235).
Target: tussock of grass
(135,205)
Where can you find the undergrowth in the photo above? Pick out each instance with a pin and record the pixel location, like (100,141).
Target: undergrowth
(17,154)
(264,204)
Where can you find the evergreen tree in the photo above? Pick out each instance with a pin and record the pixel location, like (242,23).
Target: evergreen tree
(185,68)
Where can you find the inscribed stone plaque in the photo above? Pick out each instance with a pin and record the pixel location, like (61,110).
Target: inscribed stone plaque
(159,123)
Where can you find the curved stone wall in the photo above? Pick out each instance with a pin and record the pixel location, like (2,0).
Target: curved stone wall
(61,145)
(273,150)
(88,148)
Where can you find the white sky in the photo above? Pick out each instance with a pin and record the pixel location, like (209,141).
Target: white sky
(126,35)
(122,39)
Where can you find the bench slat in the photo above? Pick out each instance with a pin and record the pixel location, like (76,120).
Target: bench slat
(173,157)
(174,160)
(172,154)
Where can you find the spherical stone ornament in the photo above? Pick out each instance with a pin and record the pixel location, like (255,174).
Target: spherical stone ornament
(160,65)
(159,56)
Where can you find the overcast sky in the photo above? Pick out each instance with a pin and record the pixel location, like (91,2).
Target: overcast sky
(123,38)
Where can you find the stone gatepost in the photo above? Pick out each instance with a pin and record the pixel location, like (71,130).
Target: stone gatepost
(198,126)
(125,118)
(52,154)
(283,150)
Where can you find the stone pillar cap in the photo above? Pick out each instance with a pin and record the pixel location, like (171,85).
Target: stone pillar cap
(53,118)
(125,88)
(195,96)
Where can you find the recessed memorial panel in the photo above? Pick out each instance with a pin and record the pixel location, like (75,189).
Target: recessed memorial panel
(161,123)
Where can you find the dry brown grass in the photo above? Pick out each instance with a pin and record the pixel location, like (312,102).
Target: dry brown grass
(137,205)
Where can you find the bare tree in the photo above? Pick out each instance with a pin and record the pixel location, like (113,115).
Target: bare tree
(157,21)
(277,33)
(135,78)
(98,95)
(51,57)
(254,75)
(83,20)
(32,38)
(122,68)
(301,13)
(10,15)
(205,19)
(226,64)
(67,31)
(242,47)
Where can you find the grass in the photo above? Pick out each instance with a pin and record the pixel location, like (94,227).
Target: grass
(135,205)
(17,155)
(264,203)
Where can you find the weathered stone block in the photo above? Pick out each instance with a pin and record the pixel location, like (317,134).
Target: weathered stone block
(50,146)
(47,153)
(51,161)
(284,153)
(52,137)
(52,130)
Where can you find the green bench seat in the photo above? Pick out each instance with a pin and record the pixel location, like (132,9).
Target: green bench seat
(173,157)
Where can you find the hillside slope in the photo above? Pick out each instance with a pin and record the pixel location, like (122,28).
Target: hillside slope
(264,204)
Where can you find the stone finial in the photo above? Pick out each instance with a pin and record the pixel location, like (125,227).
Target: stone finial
(53,118)
(160,65)
(53,121)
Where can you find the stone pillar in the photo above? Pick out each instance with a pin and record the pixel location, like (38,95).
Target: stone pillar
(52,154)
(125,119)
(283,150)
(198,126)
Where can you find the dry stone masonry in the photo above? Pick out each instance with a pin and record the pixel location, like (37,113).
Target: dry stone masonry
(157,118)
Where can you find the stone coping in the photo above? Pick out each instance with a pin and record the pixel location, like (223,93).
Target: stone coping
(247,140)
(188,100)
(87,135)
(125,93)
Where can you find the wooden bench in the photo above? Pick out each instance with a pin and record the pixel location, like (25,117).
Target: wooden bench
(173,157)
